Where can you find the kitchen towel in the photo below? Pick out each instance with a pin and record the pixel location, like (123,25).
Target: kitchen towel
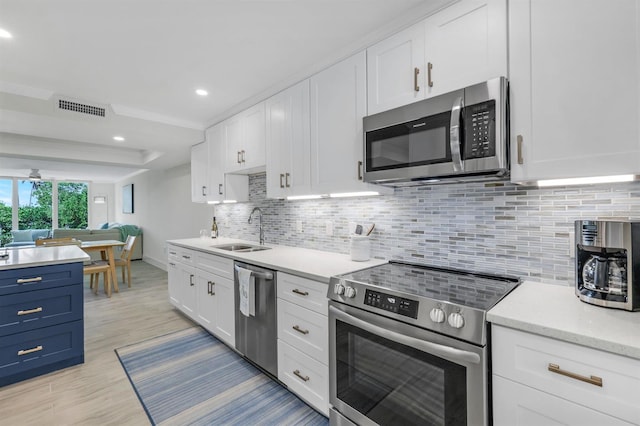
(246,288)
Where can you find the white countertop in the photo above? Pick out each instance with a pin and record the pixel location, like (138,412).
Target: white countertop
(41,256)
(313,264)
(555,311)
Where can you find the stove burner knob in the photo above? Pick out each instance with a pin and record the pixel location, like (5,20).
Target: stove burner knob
(437,315)
(338,289)
(350,292)
(456,320)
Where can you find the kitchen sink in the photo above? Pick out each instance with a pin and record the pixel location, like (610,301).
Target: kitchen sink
(241,248)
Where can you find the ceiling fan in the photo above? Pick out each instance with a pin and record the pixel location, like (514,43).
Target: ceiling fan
(35,176)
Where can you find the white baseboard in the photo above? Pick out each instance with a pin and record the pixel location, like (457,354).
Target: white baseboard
(155,262)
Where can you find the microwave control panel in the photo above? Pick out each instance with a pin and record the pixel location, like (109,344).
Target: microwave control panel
(480,130)
(387,302)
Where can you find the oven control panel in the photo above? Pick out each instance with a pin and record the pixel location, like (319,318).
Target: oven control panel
(387,302)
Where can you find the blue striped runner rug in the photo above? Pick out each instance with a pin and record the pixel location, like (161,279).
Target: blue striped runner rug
(190,377)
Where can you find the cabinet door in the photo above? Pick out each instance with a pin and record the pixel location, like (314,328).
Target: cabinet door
(173,280)
(518,405)
(205,300)
(395,69)
(233,143)
(287,141)
(225,328)
(338,104)
(575,88)
(223,186)
(465,44)
(188,284)
(252,152)
(199,172)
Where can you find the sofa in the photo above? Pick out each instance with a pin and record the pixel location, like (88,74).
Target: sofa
(115,232)
(27,237)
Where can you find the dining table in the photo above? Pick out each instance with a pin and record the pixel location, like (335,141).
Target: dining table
(105,247)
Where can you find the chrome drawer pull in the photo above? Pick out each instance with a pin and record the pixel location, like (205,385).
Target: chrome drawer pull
(301,293)
(299,330)
(297,373)
(30,311)
(28,280)
(28,351)
(593,380)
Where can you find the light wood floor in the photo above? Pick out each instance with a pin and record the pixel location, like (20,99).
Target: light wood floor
(98,391)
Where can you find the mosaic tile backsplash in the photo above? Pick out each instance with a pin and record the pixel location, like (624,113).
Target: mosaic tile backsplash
(506,229)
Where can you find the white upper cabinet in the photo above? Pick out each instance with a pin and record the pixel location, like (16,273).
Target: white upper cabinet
(575,88)
(244,135)
(199,172)
(463,44)
(287,142)
(338,104)
(395,70)
(223,186)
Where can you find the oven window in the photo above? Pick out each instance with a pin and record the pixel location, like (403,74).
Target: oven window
(419,142)
(393,384)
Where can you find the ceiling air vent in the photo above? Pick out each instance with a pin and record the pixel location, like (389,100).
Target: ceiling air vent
(82,108)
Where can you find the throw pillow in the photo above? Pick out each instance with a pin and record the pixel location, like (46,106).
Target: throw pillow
(21,236)
(104,226)
(39,233)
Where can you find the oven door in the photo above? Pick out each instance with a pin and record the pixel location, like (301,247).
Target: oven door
(386,372)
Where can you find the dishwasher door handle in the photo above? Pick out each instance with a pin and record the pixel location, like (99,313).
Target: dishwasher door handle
(258,274)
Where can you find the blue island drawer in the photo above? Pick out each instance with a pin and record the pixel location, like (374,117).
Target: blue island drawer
(40,351)
(39,277)
(34,309)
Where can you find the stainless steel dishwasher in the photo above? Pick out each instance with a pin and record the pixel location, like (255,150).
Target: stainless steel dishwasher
(256,333)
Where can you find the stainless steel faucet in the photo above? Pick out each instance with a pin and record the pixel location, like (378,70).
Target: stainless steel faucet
(257,209)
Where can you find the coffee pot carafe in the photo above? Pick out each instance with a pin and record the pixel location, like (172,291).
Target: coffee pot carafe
(604,274)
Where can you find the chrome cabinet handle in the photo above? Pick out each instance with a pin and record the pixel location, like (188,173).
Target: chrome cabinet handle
(239,160)
(220,188)
(416,71)
(172,264)
(301,293)
(210,285)
(519,142)
(299,330)
(286,180)
(359,170)
(304,378)
(281,177)
(454,135)
(191,283)
(29,351)
(28,280)
(30,311)
(186,257)
(204,191)
(242,155)
(429,68)
(592,380)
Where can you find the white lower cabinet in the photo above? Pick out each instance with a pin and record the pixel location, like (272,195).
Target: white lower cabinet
(203,290)
(303,339)
(542,381)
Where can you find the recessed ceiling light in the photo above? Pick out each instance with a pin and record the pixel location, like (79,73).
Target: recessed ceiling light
(118,138)
(201,92)
(5,34)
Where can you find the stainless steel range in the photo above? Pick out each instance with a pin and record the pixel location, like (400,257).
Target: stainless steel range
(408,345)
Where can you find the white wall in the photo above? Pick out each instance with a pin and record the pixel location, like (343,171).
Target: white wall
(163,209)
(100,213)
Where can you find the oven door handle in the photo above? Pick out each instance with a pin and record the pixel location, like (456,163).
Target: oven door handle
(454,135)
(453,354)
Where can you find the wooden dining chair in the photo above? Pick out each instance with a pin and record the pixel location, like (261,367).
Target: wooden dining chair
(94,269)
(125,258)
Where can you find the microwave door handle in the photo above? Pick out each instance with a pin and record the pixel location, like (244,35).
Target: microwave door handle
(454,135)
(453,354)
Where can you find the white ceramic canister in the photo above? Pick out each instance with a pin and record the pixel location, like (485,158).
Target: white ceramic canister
(360,248)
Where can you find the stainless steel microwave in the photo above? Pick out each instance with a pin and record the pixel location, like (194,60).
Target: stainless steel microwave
(458,136)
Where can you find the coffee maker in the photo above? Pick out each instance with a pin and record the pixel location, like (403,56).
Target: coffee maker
(608,263)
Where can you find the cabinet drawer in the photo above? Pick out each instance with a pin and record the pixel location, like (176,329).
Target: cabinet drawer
(525,358)
(304,292)
(304,330)
(518,405)
(218,265)
(39,277)
(179,254)
(303,375)
(34,309)
(30,350)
